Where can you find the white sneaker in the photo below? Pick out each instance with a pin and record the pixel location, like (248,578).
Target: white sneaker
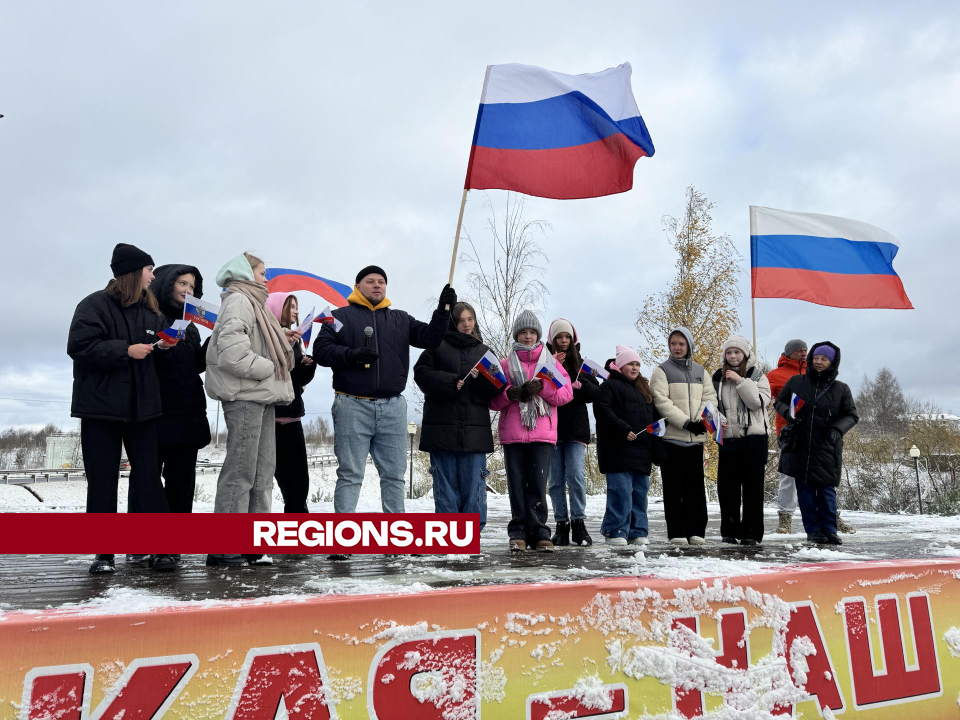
(615,541)
(678,541)
(697,540)
(638,541)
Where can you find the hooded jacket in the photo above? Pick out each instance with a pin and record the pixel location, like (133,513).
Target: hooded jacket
(743,406)
(455,420)
(620,409)
(511,428)
(107,383)
(238,361)
(184,402)
(786,369)
(394,332)
(301,375)
(810,455)
(681,390)
(573,419)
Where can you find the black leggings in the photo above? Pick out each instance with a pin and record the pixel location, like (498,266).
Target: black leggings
(179,467)
(292,473)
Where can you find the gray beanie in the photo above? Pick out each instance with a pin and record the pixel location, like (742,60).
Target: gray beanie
(526,320)
(792,346)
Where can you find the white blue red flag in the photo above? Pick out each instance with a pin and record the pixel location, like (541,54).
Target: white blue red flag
(490,368)
(326,318)
(547,371)
(711,421)
(555,135)
(594,369)
(200,311)
(823,259)
(174,334)
(659,428)
(306,328)
(796,404)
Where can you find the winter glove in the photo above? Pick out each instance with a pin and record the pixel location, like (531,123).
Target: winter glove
(513,393)
(448,298)
(529,389)
(835,435)
(362,356)
(694,427)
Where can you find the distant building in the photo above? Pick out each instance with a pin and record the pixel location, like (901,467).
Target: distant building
(950,421)
(63,451)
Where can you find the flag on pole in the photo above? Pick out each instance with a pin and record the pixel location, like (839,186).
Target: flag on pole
(174,334)
(489,367)
(555,135)
(712,422)
(593,369)
(306,328)
(547,371)
(658,429)
(200,311)
(796,403)
(287,280)
(326,318)
(823,259)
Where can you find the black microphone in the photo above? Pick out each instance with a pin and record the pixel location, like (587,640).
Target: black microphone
(367,335)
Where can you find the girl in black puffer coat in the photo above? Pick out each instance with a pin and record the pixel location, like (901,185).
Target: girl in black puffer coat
(812,443)
(456,416)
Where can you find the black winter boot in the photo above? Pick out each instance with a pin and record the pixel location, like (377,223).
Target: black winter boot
(580,534)
(562,536)
(103,564)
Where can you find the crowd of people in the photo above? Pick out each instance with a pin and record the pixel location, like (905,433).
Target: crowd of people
(134,390)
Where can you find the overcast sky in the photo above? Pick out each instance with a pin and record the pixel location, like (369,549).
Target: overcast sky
(328,136)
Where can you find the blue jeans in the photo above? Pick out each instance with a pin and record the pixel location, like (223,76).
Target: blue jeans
(626,514)
(818,507)
(567,471)
(377,428)
(460,483)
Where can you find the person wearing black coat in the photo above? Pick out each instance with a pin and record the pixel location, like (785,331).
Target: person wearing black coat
(116,392)
(625,450)
(292,473)
(456,427)
(568,464)
(184,429)
(811,445)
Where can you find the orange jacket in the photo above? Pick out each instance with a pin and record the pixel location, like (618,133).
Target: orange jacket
(786,369)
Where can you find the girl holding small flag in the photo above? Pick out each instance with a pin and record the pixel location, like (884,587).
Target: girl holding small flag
(681,390)
(743,396)
(456,416)
(292,473)
(626,448)
(568,464)
(116,393)
(528,431)
(249,360)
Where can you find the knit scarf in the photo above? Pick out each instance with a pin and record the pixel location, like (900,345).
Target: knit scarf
(273,336)
(535,407)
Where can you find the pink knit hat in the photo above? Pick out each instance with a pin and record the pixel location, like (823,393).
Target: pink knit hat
(626,354)
(275,303)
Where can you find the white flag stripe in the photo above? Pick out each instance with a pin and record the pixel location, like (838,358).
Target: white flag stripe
(767,221)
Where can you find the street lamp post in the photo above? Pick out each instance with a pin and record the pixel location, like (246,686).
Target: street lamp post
(915,454)
(411,430)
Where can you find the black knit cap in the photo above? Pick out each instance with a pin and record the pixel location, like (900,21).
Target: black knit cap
(370,270)
(127,258)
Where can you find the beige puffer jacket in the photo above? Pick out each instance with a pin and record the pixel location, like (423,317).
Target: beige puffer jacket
(743,406)
(681,390)
(238,362)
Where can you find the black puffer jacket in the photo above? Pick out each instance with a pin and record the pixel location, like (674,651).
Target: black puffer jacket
(107,383)
(394,332)
(809,455)
(573,419)
(184,419)
(621,408)
(301,375)
(455,420)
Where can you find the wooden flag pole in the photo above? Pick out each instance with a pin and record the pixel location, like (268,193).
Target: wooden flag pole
(753,313)
(456,239)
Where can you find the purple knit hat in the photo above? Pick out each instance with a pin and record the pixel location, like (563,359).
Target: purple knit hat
(828,352)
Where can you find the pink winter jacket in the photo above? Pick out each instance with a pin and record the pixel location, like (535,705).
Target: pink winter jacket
(511,427)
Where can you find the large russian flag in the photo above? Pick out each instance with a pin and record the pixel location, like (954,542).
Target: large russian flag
(554,135)
(287,280)
(823,259)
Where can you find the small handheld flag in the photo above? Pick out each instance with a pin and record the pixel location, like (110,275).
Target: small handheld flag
(657,429)
(306,328)
(593,369)
(326,318)
(796,404)
(711,421)
(200,311)
(549,373)
(490,368)
(173,334)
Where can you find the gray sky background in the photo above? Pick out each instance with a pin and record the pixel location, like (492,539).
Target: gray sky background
(329,136)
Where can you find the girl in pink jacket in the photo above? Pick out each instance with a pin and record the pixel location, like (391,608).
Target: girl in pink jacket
(528,431)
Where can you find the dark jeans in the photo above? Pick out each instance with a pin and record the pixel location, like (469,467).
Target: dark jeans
(102,442)
(626,514)
(292,473)
(740,483)
(460,483)
(818,507)
(179,468)
(528,467)
(684,497)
